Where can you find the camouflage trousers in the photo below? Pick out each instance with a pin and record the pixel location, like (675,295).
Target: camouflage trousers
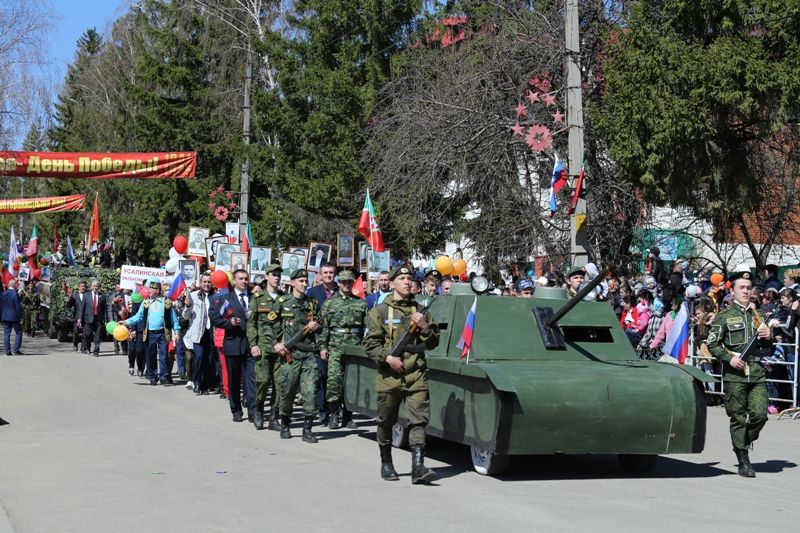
(28,319)
(415,395)
(335,377)
(746,405)
(303,375)
(268,368)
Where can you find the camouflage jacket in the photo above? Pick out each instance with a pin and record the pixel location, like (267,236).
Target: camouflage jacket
(730,332)
(343,320)
(263,328)
(290,316)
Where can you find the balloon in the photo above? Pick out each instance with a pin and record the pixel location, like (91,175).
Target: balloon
(180,243)
(716,278)
(172,264)
(459,267)
(121,333)
(219,279)
(110,327)
(173,253)
(36,273)
(43,261)
(136,298)
(464,277)
(444,265)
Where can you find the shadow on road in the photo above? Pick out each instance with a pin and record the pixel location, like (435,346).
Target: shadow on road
(773,467)
(4,422)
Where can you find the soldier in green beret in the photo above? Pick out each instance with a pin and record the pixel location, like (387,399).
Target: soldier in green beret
(575,277)
(295,313)
(262,333)
(745,387)
(401,378)
(343,317)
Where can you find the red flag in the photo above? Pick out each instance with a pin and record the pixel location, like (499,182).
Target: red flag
(368,226)
(358,287)
(247,238)
(577,194)
(94,226)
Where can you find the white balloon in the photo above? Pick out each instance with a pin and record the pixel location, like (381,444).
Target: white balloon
(173,253)
(172,264)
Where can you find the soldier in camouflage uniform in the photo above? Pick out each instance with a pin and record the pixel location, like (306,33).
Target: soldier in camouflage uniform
(262,333)
(343,317)
(401,378)
(293,313)
(745,386)
(30,308)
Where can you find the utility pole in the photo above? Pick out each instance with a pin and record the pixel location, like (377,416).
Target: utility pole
(244,196)
(577,222)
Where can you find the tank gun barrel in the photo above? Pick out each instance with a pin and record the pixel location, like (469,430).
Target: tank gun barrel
(581,294)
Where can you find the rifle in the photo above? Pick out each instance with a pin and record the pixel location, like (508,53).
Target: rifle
(752,347)
(297,337)
(400,347)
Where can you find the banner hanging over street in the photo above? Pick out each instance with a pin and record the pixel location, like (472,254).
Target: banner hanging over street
(51,204)
(98,165)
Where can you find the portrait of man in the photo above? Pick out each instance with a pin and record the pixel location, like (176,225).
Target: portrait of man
(344,250)
(224,252)
(212,244)
(377,261)
(238,261)
(45,274)
(320,252)
(259,259)
(290,263)
(299,250)
(232,232)
(363,250)
(189,270)
(24,273)
(197,241)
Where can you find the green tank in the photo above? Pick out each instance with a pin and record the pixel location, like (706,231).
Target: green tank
(545,376)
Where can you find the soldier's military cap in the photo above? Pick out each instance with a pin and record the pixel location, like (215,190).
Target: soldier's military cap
(299,273)
(433,273)
(399,270)
(347,275)
(740,275)
(272,267)
(573,270)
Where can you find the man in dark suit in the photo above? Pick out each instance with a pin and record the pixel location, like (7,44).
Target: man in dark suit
(320,293)
(230,314)
(76,303)
(94,314)
(11,316)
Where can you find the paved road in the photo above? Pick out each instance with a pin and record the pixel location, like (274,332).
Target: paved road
(88,449)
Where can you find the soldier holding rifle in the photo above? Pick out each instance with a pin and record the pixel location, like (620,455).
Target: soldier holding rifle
(401,370)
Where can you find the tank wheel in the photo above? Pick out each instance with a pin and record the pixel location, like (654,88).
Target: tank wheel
(487,463)
(52,331)
(62,334)
(400,436)
(637,464)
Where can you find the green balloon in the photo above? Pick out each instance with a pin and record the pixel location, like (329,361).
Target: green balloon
(110,327)
(136,298)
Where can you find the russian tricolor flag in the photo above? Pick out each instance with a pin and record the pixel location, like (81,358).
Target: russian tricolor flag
(677,343)
(177,287)
(557,183)
(465,344)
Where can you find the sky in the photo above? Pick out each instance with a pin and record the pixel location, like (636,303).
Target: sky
(74,18)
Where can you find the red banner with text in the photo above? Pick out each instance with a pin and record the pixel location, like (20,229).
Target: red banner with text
(51,204)
(98,165)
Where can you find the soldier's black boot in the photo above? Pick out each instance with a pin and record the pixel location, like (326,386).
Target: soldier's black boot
(745,468)
(388,473)
(285,421)
(258,416)
(347,419)
(333,422)
(308,436)
(419,472)
(273,425)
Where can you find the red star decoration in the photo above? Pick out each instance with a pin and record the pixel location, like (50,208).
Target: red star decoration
(521,110)
(539,138)
(518,130)
(533,97)
(549,99)
(558,117)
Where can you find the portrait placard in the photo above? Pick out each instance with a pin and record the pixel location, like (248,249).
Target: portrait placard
(320,254)
(197,242)
(344,250)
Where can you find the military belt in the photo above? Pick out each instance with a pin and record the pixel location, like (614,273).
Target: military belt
(415,348)
(347,330)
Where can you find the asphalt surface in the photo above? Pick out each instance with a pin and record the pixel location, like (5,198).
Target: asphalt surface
(84,447)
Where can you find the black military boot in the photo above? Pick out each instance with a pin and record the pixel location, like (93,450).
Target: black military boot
(307,435)
(334,422)
(285,421)
(347,419)
(273,425)
(388,473)
(258,416)
(745,468)
(419,472)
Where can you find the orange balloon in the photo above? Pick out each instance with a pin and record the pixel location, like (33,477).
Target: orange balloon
(716,278)
(459,267)
(121,333)
(444,265)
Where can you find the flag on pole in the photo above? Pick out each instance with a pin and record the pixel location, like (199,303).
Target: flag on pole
(12,249)
(247,238)
(368,226)
(677,343)
(465,343)
(358,287)
(177,287)
(558,182)
(576,195)
(70,252)
(94,227)
(33,244)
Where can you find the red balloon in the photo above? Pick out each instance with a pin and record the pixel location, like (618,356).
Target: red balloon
(36,273)
(180,243)
(219,279)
